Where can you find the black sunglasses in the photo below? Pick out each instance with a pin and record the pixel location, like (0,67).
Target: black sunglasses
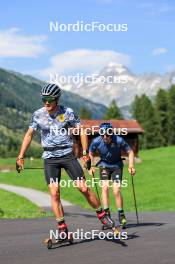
(48,99)
(107,135)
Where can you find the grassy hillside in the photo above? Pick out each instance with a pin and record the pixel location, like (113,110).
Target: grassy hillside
(23,93)
(154,181)
(19,97)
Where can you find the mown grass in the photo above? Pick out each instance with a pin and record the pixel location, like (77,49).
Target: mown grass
(14,206)
(154,181)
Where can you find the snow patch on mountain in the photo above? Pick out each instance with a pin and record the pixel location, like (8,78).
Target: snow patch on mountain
(123,89)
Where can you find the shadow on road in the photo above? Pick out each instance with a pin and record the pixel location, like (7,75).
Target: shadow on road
(96,238)
(144,224)
(117,241)
(129,225)
(80,214)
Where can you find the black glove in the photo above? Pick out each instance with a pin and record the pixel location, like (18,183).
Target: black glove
(88,164)
(87,161)
(18,167)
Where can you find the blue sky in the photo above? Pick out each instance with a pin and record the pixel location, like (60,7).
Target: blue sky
(27,45)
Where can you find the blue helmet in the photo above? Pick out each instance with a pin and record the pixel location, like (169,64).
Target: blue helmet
(105,125)
(106,128)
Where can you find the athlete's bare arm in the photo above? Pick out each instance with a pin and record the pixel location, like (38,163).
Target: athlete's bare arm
(26,142)
(131,168)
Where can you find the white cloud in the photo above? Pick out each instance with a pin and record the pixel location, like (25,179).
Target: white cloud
(159,51)
(83,60)
(14,44)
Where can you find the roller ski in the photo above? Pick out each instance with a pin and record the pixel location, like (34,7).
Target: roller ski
(108,223)
(64,237)
(122,220)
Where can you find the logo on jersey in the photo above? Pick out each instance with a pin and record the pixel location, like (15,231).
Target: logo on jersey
(61,118)
(71,116)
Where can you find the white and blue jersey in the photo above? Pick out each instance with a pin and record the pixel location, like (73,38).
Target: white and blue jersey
(54,130)
(110,154)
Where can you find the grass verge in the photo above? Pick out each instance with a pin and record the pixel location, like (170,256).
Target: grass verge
(154,181)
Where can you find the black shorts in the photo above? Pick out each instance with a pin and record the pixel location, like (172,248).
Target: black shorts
(53,166)
(114,174)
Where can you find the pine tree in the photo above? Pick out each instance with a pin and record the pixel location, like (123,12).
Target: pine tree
(143,110)
(113,112)
(171,115)
(161,106)
(137,109)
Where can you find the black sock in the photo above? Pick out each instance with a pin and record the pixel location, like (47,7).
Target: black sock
(99,210)
(107,211)
(60,221)
(121,211)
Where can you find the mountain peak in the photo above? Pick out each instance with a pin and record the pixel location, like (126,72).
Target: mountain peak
(114,64)
(116,68)
(124,85)
(113,68)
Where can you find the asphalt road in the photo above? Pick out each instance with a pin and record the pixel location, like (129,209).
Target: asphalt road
(152,241)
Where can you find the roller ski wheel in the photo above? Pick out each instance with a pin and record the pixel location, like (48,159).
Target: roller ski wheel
(70,239)
(117,230)
(50,243)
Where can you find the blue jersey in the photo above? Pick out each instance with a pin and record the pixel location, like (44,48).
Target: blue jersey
(54,129)
(110,154)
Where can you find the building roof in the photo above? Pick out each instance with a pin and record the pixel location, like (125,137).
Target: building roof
(132,125)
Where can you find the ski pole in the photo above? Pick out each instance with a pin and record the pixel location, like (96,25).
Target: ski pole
(134,196)
(33,168)
(19,169)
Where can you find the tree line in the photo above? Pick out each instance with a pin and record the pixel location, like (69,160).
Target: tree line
(156,116)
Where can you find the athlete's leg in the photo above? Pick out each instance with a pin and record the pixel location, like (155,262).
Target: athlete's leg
(105,176)
(117,180)
(95,203)
(57,208)
(105,194)
(117,195)
(52,175)
(88,193)
(58,211)
(75,172)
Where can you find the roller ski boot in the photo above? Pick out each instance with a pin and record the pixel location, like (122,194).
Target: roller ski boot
(122,219)
(63,237)
(105,227)
(108,223)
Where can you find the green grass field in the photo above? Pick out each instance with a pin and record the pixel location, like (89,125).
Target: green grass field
(154,181)
(14,206)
